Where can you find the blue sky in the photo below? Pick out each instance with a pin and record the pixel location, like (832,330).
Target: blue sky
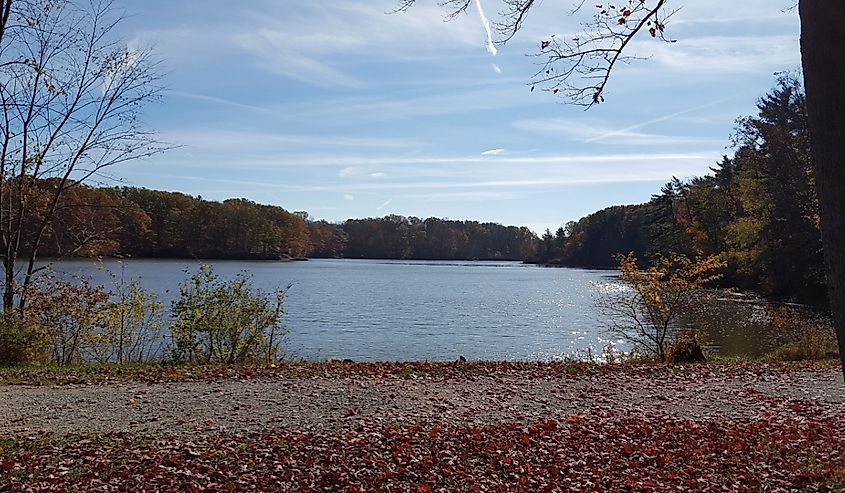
(337,109)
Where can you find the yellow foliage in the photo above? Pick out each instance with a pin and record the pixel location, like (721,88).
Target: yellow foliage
(672,287)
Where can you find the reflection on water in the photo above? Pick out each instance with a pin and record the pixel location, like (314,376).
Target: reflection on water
(416,310)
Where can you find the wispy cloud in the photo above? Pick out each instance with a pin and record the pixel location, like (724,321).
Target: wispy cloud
(722,55)
(319,42)
(348,197)
(384,204)
(250,141)
(222,101)
(492,152)
(463,196)
(358,165)
(272,51)
(496,68)
(587,132)
(590,131)
(349,171)
(659,119)
(364,110)
(506,174)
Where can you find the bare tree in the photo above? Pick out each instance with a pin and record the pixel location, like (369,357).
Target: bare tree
(579,70)
(71,93)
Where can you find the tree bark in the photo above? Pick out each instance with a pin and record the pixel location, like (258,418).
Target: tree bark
(822,49)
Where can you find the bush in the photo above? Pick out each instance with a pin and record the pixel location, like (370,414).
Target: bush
(217,321)
(815,343)
(65,316)
(18,343)
(686,349)
(132,324)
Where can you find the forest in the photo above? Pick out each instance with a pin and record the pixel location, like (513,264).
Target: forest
(757,210)
(138,222)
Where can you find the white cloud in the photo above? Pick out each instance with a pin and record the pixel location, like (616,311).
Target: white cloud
(493,152)
(496,68)
(314,42)
(384,204)
(348,197)
(377,174)
(349,171)
(722,55)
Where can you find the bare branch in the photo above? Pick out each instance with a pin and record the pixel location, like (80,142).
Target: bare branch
(578,68)
(71,97)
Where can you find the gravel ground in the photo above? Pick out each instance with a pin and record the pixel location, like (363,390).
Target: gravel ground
(326,403)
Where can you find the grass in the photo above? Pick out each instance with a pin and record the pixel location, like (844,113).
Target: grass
(815,343)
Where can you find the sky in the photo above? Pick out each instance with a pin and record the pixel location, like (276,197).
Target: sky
(342,110)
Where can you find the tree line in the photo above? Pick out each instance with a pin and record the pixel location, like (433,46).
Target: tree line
(138,222)
(757,210)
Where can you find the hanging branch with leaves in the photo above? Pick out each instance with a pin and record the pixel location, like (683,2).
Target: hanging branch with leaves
(578,67)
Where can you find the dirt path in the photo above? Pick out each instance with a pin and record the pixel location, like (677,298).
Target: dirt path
(184,408)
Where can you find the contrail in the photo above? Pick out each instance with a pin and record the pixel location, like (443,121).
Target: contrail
(658,119)
(491,48)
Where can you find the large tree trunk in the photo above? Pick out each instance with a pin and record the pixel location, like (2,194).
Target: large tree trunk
(822,51)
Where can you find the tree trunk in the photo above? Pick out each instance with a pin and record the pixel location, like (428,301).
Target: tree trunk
(822,49)
(9,283)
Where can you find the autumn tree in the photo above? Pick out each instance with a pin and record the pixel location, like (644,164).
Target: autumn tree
(70,98)
(579,69)
(655,301)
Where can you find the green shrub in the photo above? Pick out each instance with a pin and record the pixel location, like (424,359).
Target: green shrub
(216,321)
(132,324)
(18,342)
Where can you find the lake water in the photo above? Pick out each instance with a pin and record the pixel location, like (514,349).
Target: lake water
(371,310)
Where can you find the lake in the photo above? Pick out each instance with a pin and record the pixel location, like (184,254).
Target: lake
(370,310)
